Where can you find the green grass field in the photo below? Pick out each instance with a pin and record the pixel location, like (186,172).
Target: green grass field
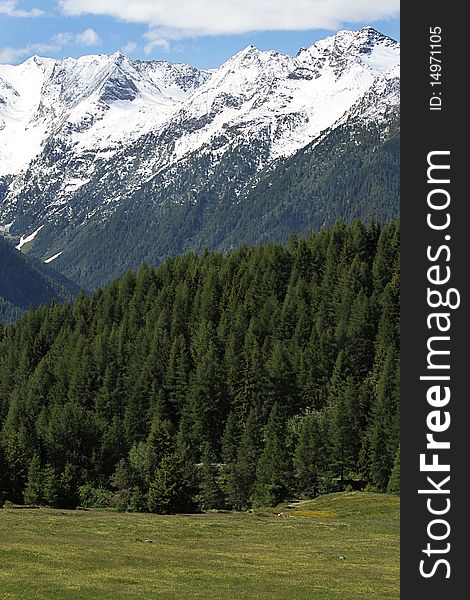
(337,547)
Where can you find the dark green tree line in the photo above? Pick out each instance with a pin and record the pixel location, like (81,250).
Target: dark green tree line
(211,381)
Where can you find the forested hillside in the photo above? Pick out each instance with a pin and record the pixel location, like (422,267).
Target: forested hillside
(25,282)
(353,173)
(211,381)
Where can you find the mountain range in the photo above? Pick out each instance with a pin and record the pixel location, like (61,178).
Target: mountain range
(106,162)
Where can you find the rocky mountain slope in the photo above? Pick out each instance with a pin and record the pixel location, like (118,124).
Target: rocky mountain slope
(108,161)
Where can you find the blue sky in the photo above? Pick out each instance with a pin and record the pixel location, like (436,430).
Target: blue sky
(203,33)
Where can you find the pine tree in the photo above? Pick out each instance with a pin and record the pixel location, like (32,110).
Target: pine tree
(33,492)
(4,478)
(160,445)
(313,377)
(51,487)
(312,458)
(163,490)
(139,465)
(69,483)
(120,479)
(230,439)
(242,476)
(345,432)
(172,486)
(384,428)
(273,471)
(121,482)
(206,391)
(380,464)
(252,384)
(16,458)
(113,446)
(210,495)
(281,385)
(176,378)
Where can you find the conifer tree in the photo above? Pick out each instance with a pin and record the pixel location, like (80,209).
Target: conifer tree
(230,439)
(210,495)
(380,464)
(163,490)
(4,478)
(345,433)
(15,451)
(280,387)
(252,385)
(51,486)
(311,457)
(313,376)
(206,391)
(69,483)
(139,465)
(242,476)
(33,492)
(384,428)
(176,378)
(160,444)
(113,446)
(273,472)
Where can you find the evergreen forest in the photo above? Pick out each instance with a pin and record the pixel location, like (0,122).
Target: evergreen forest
(214,381)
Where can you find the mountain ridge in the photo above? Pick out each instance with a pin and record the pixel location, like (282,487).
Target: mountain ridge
(254,112)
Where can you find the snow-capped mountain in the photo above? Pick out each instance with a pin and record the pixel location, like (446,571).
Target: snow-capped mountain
(81,139)
(93,103)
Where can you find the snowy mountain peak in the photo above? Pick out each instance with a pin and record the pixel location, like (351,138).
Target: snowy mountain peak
(370,48)
(118,55)
(247,50)
(40,62)
(245,58)
(85,100)
(290,99)
(342,39)
(80,137)
(371,34)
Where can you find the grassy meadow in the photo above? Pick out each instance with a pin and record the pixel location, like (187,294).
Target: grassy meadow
(338,547)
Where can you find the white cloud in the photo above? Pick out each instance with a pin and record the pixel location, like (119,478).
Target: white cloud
(156,39)
(88,37)
(193,18)
(9,8)
(129,48)
(44,48)
(9,55)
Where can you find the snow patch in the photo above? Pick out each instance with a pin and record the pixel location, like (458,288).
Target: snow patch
(49,260)
(74,184)
(6,228)
(29,238)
